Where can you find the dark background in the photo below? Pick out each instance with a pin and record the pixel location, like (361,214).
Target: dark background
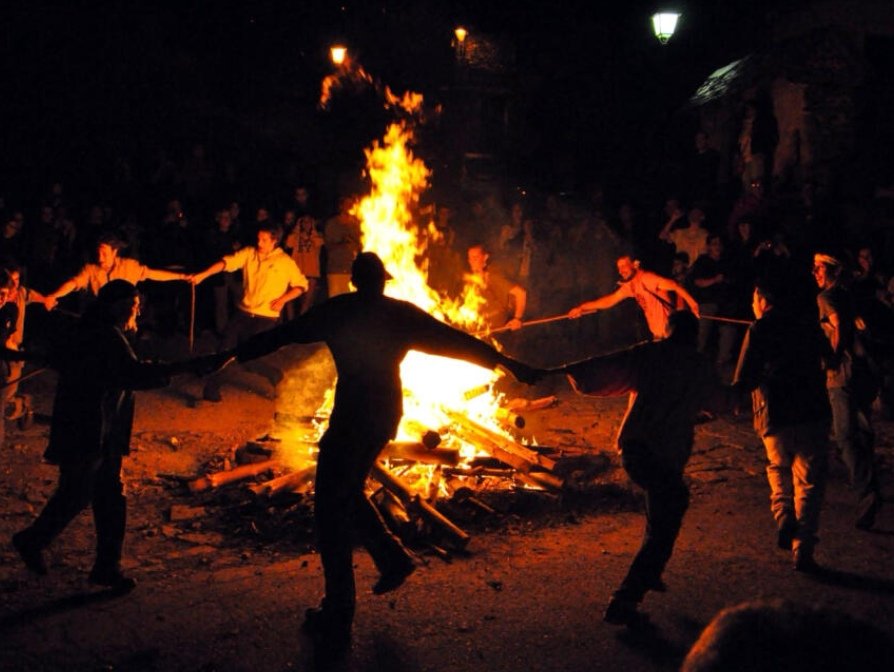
(87,84)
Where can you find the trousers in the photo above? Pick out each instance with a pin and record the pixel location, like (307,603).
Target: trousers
(666,499)
(343,509)
(93,482)
(797,470)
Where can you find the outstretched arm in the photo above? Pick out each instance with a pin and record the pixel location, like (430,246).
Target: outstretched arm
(601,303)
(160,275)
(668,285)
(66,288)
(213,269)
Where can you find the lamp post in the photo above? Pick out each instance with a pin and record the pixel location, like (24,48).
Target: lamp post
(664,24)
(338,54)
(460,33)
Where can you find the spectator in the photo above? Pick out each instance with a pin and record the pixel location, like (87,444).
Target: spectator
(220,241)
(305,245)
(851,387)
(691,238)
(714,287)
(504,300)
(342,238)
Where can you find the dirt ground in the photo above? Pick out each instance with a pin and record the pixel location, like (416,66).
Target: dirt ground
(224,585)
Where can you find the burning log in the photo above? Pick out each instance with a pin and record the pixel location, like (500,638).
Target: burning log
(419,452)
(429,437)
(468,395)
(288,482)
(510,418)
(504,449)
(523,459)
(540,479)
(393,509)
(413,501)
(465,495)
(476,472)
(520,404)
(210,481)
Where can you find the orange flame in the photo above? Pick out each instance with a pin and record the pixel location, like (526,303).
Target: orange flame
(389,223)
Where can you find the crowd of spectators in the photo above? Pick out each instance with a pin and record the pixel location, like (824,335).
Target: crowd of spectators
(560,247)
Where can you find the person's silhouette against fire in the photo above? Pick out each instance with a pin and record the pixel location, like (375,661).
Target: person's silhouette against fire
(368,334)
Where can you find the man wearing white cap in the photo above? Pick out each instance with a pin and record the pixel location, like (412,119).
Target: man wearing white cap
(850,386)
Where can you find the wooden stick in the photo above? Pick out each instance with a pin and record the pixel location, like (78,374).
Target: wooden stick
(514,454)
(283,483)
(192,316)
(210,481)
(419,452)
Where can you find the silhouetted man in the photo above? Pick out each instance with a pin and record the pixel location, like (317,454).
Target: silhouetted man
(368,334)
(669,382)
(90,431)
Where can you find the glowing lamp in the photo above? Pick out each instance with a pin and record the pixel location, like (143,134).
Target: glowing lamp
(460,33)
(664,24)
(338,54)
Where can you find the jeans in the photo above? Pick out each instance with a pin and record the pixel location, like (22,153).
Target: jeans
(855,438)
(797,472)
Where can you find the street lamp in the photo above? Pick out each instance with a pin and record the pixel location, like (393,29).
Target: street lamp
(664,24)
(338,54)
(460,43)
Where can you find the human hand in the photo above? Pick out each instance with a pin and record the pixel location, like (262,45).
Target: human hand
(208,364)
(575,312)
(50,302)
(522,372)
(514,324)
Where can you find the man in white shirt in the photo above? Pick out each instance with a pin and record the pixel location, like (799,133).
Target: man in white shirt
(270,279)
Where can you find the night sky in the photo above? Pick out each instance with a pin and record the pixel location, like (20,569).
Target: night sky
(83,86)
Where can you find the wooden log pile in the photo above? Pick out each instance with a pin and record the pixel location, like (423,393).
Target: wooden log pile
(404,498)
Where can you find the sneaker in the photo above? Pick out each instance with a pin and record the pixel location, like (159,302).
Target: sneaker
(867,511)
(394,578)
(622,612)
(802,561)
(111,578)
(786,534)
(30,554)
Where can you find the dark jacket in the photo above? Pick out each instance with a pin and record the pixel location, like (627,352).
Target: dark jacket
(93,408)
(668,383)
(780,364)
(369,335)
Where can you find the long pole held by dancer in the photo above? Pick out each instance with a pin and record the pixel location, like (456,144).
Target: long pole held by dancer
(558,318)
(192,316)
(30,374)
